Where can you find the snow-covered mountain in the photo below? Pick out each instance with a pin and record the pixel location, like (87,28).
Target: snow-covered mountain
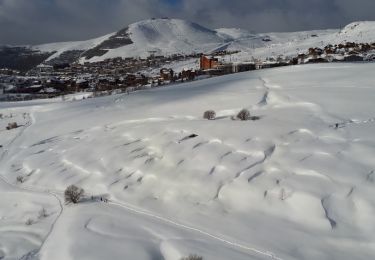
(170,36)
(289,186)
(157,36)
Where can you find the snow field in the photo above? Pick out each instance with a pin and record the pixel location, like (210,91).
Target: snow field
(236,190)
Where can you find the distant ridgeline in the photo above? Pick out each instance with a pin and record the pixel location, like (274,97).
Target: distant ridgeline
(167,37)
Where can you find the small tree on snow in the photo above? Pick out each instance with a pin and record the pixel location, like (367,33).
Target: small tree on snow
(192,257)
(210,115)
(73,194)
(20,179)
(244,115)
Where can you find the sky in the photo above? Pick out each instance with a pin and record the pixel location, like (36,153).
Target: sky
(42,21)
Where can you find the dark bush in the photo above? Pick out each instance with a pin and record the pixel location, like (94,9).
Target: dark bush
(210,115)
(73,194)
(20,179)
(12,126)
(192,257)
(244,115)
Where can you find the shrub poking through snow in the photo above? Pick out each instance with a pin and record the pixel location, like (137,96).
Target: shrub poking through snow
(43,213)
(12,126)
(192,257)
(244,115)
(20,179)
(209,114)
(29,222)
(73,194)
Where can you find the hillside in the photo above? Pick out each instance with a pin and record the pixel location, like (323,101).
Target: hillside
(158,36)
(289,186)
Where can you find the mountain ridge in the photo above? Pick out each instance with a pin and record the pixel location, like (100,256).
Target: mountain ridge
(166,37)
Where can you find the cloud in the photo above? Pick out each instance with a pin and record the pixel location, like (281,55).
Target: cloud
(38,21)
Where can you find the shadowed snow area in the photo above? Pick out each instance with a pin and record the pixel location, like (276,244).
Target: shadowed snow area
(291,185)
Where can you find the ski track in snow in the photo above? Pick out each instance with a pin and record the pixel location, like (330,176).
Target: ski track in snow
(33,253)
(132,208)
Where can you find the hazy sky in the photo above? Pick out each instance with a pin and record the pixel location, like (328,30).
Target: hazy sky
(39,21)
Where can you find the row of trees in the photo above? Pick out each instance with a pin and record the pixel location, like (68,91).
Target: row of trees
(243,115)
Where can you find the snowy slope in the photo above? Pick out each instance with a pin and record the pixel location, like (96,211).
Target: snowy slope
(171,36)
(61,47)
(290,44)
(235,191)
(166,36)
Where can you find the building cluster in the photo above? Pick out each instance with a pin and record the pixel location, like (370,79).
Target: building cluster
(212,65)
(348,52)
(46,81)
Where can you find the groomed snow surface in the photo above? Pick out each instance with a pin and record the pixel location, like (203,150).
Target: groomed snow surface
(288,186)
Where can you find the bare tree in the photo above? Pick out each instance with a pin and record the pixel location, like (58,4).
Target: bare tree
(244,115)
(192,257)
(73,194)
(209,114)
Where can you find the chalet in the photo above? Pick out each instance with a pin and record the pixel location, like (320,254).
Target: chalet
(166,74)
(44,69)
(267,39)
(207,63)
(294,61)
(188,75)
(61,66)
(316,60)
(241,67)
(315,51)
(353,58)
(82,84)
(263,65)
(353,52)
(135,80)
(329,49)
(301,58)
(49,91)
(370,57)
(28,89)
